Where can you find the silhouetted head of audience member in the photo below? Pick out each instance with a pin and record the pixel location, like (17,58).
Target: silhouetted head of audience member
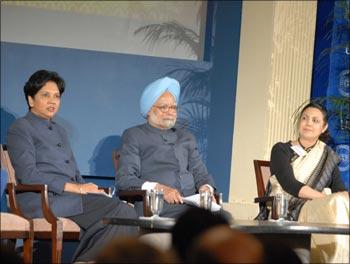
(280,253)
(133,250)
(222,244)
(190,225)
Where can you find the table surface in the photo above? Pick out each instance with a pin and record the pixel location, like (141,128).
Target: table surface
(250,226)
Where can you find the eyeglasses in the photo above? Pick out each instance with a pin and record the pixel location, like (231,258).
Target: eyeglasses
(166,108)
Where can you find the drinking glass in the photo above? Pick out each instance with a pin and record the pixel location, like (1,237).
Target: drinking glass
(155,201)
(205,199)
(281,206)
(112,188)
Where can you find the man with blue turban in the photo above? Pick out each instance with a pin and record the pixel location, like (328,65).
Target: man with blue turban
(157,155)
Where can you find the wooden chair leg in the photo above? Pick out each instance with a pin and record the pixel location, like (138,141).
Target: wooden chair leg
(28,250)
(57,236)
(56,250)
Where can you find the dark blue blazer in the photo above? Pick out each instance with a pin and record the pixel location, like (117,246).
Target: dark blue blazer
(169,157)
(41,154)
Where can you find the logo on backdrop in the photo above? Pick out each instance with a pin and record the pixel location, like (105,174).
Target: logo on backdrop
(343,152)
(344,83)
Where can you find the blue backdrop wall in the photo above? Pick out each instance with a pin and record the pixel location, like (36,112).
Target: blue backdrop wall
(101,98)
(103,90)
(331,74)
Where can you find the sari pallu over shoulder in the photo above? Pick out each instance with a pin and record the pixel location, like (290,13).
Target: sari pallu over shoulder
(319,179)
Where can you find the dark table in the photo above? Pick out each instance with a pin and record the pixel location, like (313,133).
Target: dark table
(296,235)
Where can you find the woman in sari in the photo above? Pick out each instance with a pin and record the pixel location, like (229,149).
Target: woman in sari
(306,171)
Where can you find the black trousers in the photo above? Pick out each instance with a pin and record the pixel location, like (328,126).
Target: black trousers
(94,234)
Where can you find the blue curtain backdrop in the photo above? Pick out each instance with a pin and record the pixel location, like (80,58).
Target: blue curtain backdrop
(331,72)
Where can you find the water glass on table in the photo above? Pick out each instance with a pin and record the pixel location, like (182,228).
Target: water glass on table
(155,200)
(281,206)
(205,199)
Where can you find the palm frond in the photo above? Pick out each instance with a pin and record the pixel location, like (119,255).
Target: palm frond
(345,6)
(170,32)
(194,82)
(338,108)
(335,48)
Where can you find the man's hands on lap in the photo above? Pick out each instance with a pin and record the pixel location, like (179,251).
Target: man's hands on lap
(83,188)
(90,188)
(171,195)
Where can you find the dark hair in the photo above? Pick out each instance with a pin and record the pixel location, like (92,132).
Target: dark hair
(124,249)
(279,253)
(38,80)
(325,137)
(190,225)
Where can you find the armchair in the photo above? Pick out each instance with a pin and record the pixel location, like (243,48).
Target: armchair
(262,175)
(48,227)
(13,227)
(16,227)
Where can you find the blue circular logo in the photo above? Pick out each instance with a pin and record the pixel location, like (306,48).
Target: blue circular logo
(343,152)
(344,83)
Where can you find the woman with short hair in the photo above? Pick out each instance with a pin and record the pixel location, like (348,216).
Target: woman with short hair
(41,154)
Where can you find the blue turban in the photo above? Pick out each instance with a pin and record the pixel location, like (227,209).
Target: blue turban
(154,90)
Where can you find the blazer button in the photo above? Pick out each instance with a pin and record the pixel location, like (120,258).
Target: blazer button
(67,161)
(59,145)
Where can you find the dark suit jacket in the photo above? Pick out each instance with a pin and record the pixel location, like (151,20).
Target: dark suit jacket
(41,154)
(169,157)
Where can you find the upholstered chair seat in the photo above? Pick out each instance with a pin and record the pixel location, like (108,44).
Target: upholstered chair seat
(13,222)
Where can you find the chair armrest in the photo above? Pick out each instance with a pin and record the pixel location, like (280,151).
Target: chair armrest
(37,188)
(11,192)
(107,190)
(132,196)
(264,199)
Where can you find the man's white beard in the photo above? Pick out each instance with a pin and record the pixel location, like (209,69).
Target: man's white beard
(169,123)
